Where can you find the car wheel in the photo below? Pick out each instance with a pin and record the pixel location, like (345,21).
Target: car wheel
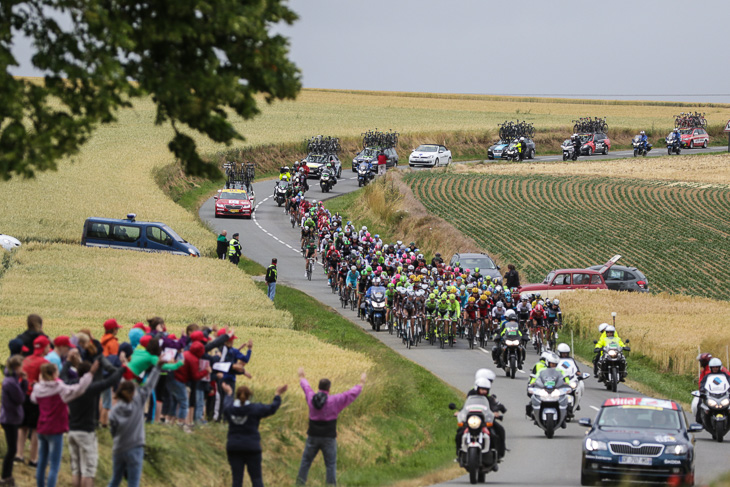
(704,145)
(532,154)
(605,150)
(590,151)
(691,144)
(491,158)
(449,163)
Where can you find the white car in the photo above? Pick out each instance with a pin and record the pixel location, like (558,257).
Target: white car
(430,155)
(9,243)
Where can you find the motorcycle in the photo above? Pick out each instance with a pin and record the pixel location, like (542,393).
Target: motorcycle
(612,365)
(326,181)
(513,351)
(569,151)
(673,145)
(364,174)
(280,191)
(549,400)
(512,154)
(570,370)
(376,305)
(640,149)
(714,403)
(476,453)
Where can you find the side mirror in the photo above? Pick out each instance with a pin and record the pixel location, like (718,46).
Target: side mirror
(585,376)
(595,342)
(585,422)
(452,405)
(498,268)
(216,197)
(695,393)
(695,428)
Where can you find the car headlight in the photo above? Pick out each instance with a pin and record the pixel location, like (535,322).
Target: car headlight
(594,445)
(711,402)
(677,449)
(612,353)
(219,205)
(474,422)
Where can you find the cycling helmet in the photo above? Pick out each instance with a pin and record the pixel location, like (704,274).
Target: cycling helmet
(537,294)
(552,359)
(444,296)
(411,268)
(500,304)
(541,303)
(522,139)
(424,271)
(556,302)
(286,168)
(523,298)
(391,285)
(432,296)
(462,287)
(483,383)
(452,296)
(376,281)
(353,268)
(563,348)
(485,374)
(440,283)
(472,300)
(602,327)
(510,313)
(483,297)
(715,362)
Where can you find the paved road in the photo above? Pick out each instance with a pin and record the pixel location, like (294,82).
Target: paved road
(533,458)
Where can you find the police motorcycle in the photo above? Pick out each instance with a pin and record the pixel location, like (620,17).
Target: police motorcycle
(549,400)
(476,454)
(280,191)
(513,350)
(326,180)
(569,151)
(640,148)
(612,365)
(714,402)
(364,174)
(570,370)
(375,304)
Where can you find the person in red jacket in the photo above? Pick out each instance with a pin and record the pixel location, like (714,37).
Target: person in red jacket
(704,360)
(382,162)
(189,372)
(32,369)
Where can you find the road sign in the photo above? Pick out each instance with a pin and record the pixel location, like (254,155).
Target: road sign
(727,127)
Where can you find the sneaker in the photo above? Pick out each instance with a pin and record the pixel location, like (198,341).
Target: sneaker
(32,464)
(187,429)
(18,460)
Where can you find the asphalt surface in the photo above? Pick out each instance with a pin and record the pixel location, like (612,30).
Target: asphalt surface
(533,458)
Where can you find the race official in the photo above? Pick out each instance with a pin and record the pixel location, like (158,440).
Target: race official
(234,249)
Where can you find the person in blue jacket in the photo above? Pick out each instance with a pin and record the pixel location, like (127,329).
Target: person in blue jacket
(644,139)
(243,446)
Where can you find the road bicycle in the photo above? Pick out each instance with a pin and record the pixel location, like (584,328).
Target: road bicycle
(310,267)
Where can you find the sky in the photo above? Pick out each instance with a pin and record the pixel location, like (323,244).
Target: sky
(640,49)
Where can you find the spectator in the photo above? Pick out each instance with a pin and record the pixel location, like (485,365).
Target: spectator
(33,331)
(52,395)
(58,355)
(271,275)
(147,355)
(11,415)
(126,422)
(322,432)
(234,250)
(82,441)
(238,360)
(243,446)
(512,277)
(110,346)
(382,162)
(32,369)
(222,245)
(189,372)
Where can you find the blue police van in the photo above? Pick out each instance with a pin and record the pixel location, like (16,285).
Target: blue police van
(131,234)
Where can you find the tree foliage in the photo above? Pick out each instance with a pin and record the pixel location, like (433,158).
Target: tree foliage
(197,59)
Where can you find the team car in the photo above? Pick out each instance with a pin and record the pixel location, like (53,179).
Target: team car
(234,202)
(370,154)
(562,280)
(694,137)
(499,150)
(639,438)
(430,155)
(317,162)
(595,142)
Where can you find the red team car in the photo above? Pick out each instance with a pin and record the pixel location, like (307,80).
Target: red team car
(234,202)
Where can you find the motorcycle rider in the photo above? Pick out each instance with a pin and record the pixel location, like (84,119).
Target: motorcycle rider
(714,366)
(523,148)
(676,138)
(482,386)
(576,145)
(609,336)
(644,140)
(551,362)
(498,351)
(284,173)
(704,360)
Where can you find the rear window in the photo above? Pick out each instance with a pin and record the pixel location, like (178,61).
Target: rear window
(629,276)
(126,233)
(595,279)
(98,230)
(614,275)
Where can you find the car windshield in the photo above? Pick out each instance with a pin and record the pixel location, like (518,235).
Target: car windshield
(585,138)
(368,152)
(685,131)
(639,417)
(483,262)
(428,148)
(172,233)
(232,196)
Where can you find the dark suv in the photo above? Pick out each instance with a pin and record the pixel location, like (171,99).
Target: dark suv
(486,265)
(622,278)
(596,142)
(370,154)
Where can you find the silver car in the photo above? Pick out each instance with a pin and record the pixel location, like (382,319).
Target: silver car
(622,278)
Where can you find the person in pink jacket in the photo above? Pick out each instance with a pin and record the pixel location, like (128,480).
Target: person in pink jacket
(52,394)
(322,432)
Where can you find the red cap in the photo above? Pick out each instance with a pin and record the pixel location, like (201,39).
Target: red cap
(63,341)
(222,331)
(172,336)
(198,336)
(111,324)
(142,327)
(145,340)
(41,342)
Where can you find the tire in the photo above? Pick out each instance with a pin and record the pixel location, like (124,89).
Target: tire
(704,144)
(614,380)
(636,152)
(590,151)
(565,157)
(691,144)
(669,151)
(359,183)
(550,427)
(605,150)
(491,158)
(448,163)
(278,203)
(512,367)
(339,173)
(719,435)
(531,155)
(216,215)
(473,464)
(644,153)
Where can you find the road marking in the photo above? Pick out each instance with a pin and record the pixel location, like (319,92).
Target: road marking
(594,407)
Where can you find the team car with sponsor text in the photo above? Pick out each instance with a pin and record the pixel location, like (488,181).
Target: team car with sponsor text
(639,438)
(234,202)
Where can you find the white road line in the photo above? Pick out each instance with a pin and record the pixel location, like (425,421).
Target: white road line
(594,407)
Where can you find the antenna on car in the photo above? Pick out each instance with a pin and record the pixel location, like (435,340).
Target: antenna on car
(131,216)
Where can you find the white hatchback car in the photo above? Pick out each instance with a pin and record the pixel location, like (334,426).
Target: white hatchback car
(9,243)
(430,155)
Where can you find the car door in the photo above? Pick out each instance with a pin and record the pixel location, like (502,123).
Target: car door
(581,281)
(613,278)
(158,239)
(562,282)
(126,236)
(599,138)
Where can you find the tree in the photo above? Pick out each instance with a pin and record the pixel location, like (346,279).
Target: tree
(196,59)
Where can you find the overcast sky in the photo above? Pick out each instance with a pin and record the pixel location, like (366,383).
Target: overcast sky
(641,47)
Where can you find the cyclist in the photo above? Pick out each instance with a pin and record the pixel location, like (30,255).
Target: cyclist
(537,317)
(353,277)
(455,313)
(431,307)
(362,285)
(472,313)
(310,252)
(390,295)
(553,315)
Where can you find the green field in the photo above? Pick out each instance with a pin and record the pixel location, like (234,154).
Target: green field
(678,235)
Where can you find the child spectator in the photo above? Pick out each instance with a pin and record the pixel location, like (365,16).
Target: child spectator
(189,373)
(11,415)
(52,394)
(110,346)
(58,355)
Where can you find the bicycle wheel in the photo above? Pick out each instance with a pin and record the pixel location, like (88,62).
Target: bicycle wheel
(442,334)
(390,321)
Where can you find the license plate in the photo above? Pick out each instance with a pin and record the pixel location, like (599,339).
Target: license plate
(625,460)
(234,211)
(719,416)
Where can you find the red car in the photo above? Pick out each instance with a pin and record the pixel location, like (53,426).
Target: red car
(562,280)
(234,202)
(696,137)
(596,142)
